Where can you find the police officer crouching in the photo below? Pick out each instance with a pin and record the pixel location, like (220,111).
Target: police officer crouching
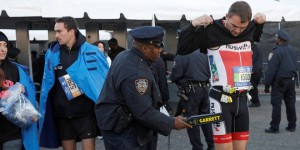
(281,75)
(126,113)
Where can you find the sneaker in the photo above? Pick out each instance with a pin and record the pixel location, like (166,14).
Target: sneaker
(254,105)
(270,130)
(290,129)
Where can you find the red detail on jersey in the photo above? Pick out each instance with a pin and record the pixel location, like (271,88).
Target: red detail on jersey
(240,135)
(216,128)
(232,59)
(227,138)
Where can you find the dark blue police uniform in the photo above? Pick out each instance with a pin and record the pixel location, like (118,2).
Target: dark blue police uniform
(191,73)
(280,75)
(159,71)
(257,61)
(126,113)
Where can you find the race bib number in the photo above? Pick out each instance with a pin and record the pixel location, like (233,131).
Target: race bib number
(70,88)
(242,76)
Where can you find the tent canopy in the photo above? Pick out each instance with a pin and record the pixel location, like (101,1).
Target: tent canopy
(143,9)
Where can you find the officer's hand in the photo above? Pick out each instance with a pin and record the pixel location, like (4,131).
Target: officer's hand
(260,18)
(267,89)
(180,123)
(203,20)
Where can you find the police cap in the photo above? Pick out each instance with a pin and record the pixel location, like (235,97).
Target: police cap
(282,34)
(3,37)
(149,35)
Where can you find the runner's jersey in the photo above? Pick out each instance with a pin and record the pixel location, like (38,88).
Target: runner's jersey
(231,64)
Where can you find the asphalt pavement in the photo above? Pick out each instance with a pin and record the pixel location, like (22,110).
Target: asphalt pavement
(258,140)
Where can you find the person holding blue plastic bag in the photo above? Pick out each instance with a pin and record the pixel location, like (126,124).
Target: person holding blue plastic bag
(12,136)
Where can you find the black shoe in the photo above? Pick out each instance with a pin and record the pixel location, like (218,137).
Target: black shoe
(270,130)
(290,129)
(254,105)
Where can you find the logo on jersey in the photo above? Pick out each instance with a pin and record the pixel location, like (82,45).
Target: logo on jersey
(239,47)
(213,68)
(216,125)
(141,85)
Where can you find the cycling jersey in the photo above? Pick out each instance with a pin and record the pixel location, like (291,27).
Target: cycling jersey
(232,63)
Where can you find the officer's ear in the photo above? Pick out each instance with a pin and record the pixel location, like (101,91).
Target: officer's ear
(144,48)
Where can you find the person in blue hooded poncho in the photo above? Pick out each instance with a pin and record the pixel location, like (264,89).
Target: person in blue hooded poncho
(11,136)
(74,74)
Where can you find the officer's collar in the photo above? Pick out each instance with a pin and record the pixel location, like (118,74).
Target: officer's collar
(141,55)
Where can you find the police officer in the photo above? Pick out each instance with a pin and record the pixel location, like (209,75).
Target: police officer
(126,111)
(191,73)
(280,75)
(257,61)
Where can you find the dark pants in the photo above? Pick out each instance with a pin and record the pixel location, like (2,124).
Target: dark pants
(197,104)
(126,140)
(283,90)
(255,78)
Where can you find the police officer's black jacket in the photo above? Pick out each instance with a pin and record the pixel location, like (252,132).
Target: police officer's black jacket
(191,67)
(159,71)
(130,83)
(283,64)
(257,58)
(216,34)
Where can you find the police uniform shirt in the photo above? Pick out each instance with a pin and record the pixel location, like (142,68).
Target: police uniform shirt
(257,58)
(282,64)
(130,83)
(159,71)
(194,67)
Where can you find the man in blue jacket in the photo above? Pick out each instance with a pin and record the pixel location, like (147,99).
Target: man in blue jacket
(74,73)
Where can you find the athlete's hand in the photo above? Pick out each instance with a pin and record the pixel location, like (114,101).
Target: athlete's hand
(267,89)
(203,20)
(180,123)
(259,18)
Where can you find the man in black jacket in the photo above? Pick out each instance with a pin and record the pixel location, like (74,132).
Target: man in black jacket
(227,42)
(115,49)
(191,73)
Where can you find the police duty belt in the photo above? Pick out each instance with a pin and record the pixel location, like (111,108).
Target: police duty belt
(198,120)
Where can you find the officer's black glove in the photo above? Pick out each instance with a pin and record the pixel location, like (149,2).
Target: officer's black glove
(267,89)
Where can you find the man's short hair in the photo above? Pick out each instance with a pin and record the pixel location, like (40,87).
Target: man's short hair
(113,41)
(69,22)
(241,9)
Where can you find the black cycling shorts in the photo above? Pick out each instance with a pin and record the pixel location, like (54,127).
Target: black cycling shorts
(235,124)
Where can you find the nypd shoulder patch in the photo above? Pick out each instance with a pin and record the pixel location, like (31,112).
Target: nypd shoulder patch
(141,85)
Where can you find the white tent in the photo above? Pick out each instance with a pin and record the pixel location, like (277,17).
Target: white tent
(143,9)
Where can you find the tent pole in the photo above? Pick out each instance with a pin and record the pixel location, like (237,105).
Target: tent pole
(153,21)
